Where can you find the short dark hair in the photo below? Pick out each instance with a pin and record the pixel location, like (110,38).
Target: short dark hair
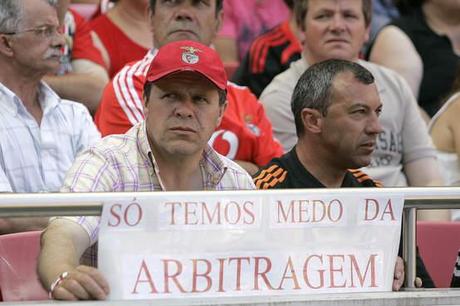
(313,90)
(301,9)
(219,5)
(148,88)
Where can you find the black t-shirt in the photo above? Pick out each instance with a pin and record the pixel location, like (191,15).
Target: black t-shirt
(440,63)
(269,55)
(287,172)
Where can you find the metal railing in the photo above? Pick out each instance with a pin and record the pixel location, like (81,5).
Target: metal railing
(72,204)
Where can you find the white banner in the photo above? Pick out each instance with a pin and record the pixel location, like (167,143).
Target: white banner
(209,244)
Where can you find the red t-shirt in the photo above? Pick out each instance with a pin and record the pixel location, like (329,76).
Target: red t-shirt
(79,44)
(120,48)
(245,132)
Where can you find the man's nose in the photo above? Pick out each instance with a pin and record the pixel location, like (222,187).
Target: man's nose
(184,11)
(374,126)
(58,40)
(338,23)
(184,109)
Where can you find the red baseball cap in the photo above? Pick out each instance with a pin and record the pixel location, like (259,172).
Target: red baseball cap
(187,55)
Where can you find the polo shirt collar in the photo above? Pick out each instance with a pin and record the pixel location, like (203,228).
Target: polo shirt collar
(213,168)
(12,103)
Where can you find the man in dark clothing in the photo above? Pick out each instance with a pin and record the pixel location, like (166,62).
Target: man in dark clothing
(336,108)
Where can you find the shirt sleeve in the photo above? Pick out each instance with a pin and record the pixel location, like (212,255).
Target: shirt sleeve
(83,46)
(267,146)
(121,105)
(417,142)
(276,99)
(91,172)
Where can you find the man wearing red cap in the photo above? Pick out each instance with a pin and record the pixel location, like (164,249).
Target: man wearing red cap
(245,133)
(185,98)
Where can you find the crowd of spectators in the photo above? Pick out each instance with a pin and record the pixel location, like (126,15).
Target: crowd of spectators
(67,80)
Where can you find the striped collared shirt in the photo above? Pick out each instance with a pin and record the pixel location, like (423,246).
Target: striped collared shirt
(35,157)
(125,163)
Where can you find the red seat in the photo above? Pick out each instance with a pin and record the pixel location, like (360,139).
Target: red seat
(18,267)
(439,243)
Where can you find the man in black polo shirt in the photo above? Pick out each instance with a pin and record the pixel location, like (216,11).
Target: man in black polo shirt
(336,109)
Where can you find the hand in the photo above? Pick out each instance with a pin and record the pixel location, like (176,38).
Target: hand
(82,283)
(398,279)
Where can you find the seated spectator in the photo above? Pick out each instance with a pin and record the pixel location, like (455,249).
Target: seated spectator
(383,12)
(40,134)
(336,107)
(244,134)
(404,153)
(82,75)
(456,276)
(184,102)
(423,46)
(445,132)
(125,33)
(270,54)
(444,129)
(244,20)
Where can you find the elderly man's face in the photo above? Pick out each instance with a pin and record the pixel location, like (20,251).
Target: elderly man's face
(181,113)
(175,20)
(334,29)
(351,125)
(38,41)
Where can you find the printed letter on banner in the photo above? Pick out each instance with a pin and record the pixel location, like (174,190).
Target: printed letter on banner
(211,244)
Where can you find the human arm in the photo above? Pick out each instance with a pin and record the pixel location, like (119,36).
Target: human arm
(425,172)
(419,160)
(398,278)
(62,244)
(276,101)
(84,84)
(401,57)
(121,104)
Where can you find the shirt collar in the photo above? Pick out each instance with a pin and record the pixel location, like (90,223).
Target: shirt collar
(12,103)
(212,167)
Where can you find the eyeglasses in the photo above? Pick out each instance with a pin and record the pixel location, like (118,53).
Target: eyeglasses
(46,31)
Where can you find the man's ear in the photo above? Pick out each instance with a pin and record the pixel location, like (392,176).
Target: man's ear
(312,120)
(222,109)
(5,45)
(219,20)
(145,107)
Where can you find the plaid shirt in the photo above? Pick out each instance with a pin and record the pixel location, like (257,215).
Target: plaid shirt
(125,163)
(35,157)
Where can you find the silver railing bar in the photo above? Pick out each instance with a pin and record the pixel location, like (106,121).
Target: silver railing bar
(90,204)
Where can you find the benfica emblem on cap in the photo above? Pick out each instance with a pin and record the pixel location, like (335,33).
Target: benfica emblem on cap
(189,56)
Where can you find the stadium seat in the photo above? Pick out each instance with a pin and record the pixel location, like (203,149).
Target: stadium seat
(439,243)
(18,267)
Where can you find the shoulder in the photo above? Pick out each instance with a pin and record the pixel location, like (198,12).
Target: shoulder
(272,175)
(74,109)
(235,177)
(364,180)
(286,80)
(240,94)
(385,77)
(117,144)
(136,70)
